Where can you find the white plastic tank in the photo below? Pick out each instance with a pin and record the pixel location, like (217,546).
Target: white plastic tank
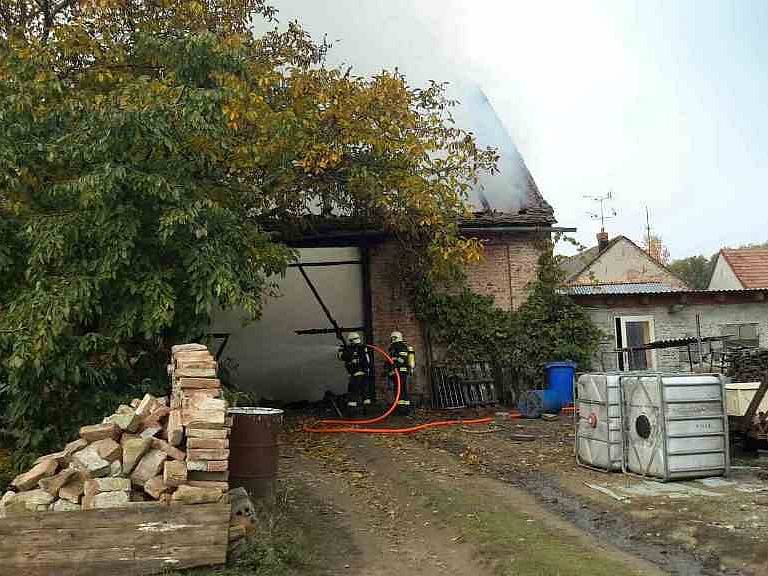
(599,440)
(675,426)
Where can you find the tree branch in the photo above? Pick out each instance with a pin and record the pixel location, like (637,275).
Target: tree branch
(63,5)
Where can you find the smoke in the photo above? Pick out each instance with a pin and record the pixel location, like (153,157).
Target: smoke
(507,190)
(424,41)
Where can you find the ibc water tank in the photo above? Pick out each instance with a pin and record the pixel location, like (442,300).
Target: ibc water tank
(675,426)
(599,440)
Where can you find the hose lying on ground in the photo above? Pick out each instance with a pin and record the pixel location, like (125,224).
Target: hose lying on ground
(338,426)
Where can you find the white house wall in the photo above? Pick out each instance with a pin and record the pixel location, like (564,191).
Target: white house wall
(623,262)
(723,277)
(678,324)
(275,363)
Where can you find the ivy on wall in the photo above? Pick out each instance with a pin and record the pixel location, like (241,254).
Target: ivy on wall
(468,327)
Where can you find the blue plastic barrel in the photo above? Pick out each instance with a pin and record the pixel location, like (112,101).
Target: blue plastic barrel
(560,383)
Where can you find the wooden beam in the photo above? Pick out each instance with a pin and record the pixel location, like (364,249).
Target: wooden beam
(749,415)
(135,540)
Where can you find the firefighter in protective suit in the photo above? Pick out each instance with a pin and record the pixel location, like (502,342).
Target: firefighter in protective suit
(357,361)
(405,362)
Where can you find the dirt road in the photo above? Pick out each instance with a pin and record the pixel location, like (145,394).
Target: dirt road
(388,506)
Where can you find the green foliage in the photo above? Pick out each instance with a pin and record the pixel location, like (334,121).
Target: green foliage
(275,547)
(154,156)
(549,326)
(694,270)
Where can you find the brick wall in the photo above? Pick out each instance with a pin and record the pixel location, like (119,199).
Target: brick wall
(504,273)
(508,267)
(391,310)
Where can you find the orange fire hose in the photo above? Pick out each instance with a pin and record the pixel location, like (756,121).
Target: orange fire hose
(349,426)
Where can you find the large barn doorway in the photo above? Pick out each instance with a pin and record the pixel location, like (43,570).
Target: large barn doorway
(269,359)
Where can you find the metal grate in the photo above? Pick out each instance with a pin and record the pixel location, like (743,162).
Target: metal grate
(470,385)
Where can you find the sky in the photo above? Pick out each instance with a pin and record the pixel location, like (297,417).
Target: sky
(664,103)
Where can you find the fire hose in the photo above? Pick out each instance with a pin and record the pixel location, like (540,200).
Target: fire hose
(352,426)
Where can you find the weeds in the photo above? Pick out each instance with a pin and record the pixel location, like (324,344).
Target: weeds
(274,547)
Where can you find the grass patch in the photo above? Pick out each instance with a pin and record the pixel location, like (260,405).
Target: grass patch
(512,543)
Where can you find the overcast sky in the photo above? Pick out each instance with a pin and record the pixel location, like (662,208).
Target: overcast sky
(664,102)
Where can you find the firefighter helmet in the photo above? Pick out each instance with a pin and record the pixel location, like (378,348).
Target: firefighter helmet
(354,338)
(396,337)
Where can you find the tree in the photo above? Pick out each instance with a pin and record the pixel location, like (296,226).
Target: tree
(694,270)
(656,249)
(153,158)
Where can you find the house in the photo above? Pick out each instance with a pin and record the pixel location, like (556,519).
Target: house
(289,354)
(637,303)
(617,261)
(737,269)
(632,316)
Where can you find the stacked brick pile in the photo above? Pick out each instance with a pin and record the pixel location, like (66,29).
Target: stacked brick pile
(199,415)
(151,452)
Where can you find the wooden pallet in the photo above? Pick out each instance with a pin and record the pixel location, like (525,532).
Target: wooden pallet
(124,541)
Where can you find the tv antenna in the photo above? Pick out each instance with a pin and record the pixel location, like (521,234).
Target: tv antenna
(606,212)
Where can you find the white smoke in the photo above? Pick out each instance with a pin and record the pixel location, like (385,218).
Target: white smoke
(412,38)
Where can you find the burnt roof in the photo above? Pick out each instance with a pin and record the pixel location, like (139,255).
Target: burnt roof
(509,197)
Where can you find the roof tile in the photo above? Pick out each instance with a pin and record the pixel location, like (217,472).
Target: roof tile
(749,264)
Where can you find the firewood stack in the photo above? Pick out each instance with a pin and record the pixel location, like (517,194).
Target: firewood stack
(748,365)
(151,452)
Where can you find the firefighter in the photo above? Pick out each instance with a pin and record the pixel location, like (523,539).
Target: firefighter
(357,361)
(405,362)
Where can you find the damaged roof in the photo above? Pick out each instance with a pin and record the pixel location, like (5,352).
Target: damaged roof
(511,196)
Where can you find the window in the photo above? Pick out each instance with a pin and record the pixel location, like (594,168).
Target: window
(741,335)
(633,332)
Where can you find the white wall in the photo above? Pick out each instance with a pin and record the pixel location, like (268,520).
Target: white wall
(678,322)
(624,262)
(723,277)
(276,363)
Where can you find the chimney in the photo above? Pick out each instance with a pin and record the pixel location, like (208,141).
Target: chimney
(602,240)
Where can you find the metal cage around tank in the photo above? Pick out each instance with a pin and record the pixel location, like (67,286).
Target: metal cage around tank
(599,438)
(664,426)
(675,425)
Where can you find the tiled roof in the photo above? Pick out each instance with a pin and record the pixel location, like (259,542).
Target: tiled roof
(749,264)
(620,288)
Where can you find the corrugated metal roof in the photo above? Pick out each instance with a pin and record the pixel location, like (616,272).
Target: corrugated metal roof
(628,288)
(651,288)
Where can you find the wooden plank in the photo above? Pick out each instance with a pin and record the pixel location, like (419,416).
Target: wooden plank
(132,541)
(78,545)
(108,517)
(187,558)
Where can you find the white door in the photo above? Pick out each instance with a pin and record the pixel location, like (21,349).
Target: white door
(635,332)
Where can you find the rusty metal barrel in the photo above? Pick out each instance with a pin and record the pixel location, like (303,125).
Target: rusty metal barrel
(254,449)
